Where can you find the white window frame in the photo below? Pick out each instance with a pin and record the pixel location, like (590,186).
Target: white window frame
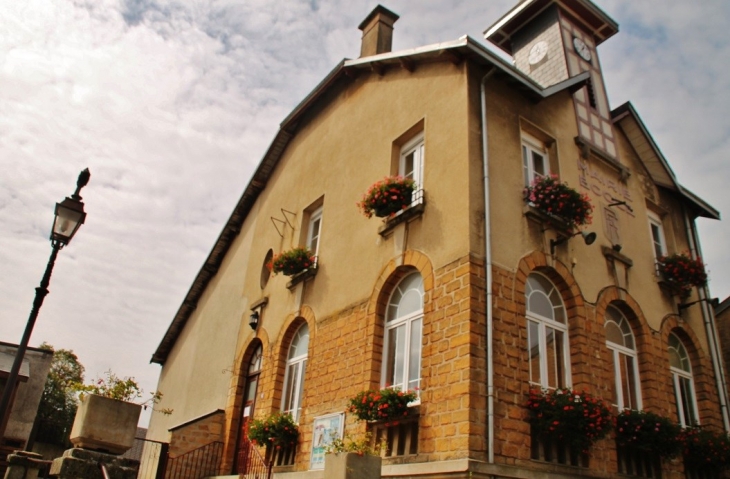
(543,324)
(679,374)
(661,241)
(314,230)
(294,381)
(617,350)
(531,146)
(417,147)
(407,322)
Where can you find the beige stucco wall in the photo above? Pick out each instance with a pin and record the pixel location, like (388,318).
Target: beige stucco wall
(337,154)
(513,236)
(197,374)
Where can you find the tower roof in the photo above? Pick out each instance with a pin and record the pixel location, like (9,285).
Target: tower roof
(585,12)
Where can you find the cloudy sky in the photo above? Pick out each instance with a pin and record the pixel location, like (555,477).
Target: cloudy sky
(172,103)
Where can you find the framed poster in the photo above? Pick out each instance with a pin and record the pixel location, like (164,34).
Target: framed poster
(325,429)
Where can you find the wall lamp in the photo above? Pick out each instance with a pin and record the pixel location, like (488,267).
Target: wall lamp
(713,302)
(256,309)
(253,320)
(588,238)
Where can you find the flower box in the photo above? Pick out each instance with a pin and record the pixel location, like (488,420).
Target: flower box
(105,424)
(680,273)
(277,431)
(293,262)
(648,433)
(559,200)
(571,416)
(387,197)
(384,405)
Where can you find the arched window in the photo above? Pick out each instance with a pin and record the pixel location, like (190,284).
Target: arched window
(547,334)
(296,365)
(620,341)
(684,388)
(403,335)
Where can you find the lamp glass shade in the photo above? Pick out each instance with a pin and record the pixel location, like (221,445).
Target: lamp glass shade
(254,320)
(69,216)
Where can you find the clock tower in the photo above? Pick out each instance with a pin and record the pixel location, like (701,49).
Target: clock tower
(554,40)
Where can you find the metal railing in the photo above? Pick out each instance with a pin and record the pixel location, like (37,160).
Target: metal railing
(201,462)
(250,464)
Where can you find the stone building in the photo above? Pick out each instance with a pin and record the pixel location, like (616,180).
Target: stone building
(471,296)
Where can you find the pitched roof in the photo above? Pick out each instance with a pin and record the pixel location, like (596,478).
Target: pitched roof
(585,12)
(626,118)
(457,51)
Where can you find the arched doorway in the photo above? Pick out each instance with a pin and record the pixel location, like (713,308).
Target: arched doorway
(247,406)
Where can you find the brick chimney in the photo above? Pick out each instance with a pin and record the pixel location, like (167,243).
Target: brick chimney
(377,31)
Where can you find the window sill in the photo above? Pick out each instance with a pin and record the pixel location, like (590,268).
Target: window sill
(612,254)
(547,220)
(305,275)
(415,210)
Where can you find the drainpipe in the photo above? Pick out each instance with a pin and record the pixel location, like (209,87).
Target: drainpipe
(710,327)
(488,269)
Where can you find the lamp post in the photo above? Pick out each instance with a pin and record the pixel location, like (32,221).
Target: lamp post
(69,216)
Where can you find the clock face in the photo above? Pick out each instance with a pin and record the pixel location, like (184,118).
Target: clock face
(582,49)
(537,52)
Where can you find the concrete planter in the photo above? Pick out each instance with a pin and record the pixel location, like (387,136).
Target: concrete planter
(105,425)
(349,465)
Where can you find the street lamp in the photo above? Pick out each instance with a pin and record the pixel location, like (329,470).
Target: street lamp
(69,216)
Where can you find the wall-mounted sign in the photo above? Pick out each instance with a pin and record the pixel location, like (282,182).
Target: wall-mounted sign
(603,187)
(326,429)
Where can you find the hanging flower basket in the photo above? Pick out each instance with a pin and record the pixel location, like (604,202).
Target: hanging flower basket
(706,450)
(292,262)
(571,416)
(387,197)
(648,433)
(277,431)
(384,405)
(550,196)
(681,272)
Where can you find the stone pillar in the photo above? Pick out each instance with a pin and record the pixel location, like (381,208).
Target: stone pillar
(24,465)
(80,463)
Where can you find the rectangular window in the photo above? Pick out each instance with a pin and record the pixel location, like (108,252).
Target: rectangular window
(657,236)
(314,229)
(411,160)
(535,163)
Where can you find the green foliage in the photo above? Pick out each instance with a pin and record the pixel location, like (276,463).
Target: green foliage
(122,389)
(569,415)
(648,432)
(57,408)
(361,447)
(275,431)
(706,450)
(387,404)
(387,196)
(682,272)
(551,196)
(292,262)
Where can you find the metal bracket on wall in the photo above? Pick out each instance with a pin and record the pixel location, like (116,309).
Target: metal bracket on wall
(284,222)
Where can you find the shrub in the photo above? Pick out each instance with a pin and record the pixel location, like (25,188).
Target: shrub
(550,196)
(564,414)
(706,449)
(682,272)
(292,262)
(387,197)
(275,431)
(649,432)
(384,405)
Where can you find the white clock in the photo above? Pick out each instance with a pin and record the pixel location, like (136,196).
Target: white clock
(582,49)
(537,52)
